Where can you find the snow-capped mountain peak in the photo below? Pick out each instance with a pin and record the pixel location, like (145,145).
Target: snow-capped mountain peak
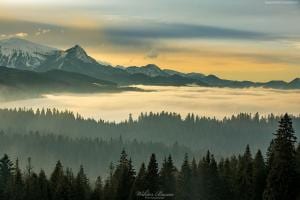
(79,53)
(11,45)
(20,53)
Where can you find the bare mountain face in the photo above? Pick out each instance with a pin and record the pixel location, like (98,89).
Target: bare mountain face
(25,55)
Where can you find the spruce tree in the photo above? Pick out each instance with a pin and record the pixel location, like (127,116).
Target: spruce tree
(69,185)
(203,167)
(226,179)
(209,178)
(152,176)
(139,184)
(214,186)
(194,180)
(167,177)
(57,182)
(245,176)
(109,190)
(44,186)
(185,181)
(82,187)
(124,177)
(281,180)
(259,176)
(32,191)
(97,193)
(270,155)
(18,183)
(6,176)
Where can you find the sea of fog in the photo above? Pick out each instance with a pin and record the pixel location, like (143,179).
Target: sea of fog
(214,102)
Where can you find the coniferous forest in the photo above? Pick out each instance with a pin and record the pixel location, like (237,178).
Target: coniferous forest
(249,176)
(196,132)
(49,135)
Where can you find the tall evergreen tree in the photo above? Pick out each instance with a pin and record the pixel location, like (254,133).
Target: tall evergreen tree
(167,177)
(184,190)
(82,187)
(195,180)
(245,176)
(214,186)
(6,177)
(97,193)
(18,183)
(124,177)
(57,182)
(139,184)
(152,176)
(259,176)
(209,177)
(31,183)
(270,155)
(227,176)
(281,180)
(44,186)
(109,190)
(69,185)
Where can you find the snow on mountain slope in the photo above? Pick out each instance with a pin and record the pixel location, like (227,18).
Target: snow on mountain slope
(19,53)
(23,54)
(15,44)
(149,70)
(79,53)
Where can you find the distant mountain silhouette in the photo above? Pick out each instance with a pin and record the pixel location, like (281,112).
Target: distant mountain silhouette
(18,84)
(22,54)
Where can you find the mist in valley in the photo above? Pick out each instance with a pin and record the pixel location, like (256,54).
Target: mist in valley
(205,101)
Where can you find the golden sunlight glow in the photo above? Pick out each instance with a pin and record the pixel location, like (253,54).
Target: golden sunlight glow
(228,60)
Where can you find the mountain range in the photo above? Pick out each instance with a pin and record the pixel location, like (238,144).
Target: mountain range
(21,54)
(19,84)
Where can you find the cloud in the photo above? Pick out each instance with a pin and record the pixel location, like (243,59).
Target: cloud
(180,31)
(294,44)
(21,35)
(152,54)
(42,31)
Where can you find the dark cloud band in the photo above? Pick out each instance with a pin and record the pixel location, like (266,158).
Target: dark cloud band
(184,31)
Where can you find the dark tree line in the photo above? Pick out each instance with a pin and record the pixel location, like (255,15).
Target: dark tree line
(198,133)
(94,153)
(242,177)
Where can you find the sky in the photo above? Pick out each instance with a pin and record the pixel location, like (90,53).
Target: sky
(256,40)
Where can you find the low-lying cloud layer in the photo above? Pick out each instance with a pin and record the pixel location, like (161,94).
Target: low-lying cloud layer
(218,102)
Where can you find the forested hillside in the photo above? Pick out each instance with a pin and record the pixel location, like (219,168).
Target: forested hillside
(248,176)
(96,154)
(225,137)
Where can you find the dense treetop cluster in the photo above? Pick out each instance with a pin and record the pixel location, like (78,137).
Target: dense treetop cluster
(241,177)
